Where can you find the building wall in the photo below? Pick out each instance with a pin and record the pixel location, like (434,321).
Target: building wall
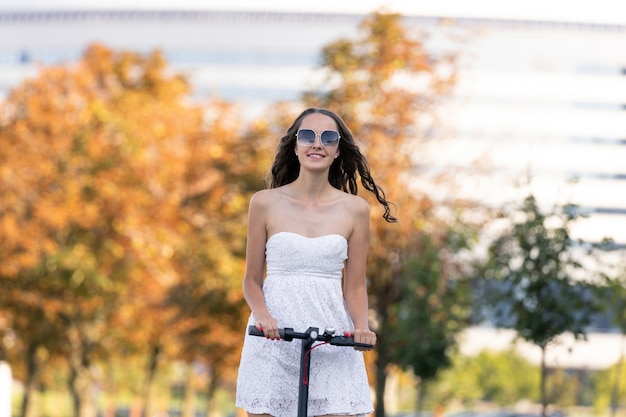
(540,99)
(549,101)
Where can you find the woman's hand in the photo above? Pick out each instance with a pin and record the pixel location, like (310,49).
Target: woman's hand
(364,336)
(267,324)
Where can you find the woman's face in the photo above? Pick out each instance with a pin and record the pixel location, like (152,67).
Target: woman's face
(320,151)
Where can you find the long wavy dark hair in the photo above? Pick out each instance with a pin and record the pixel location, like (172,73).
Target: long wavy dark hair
(343,171)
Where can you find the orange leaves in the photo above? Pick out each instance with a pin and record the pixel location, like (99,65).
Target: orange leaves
(122,208)
(87,160)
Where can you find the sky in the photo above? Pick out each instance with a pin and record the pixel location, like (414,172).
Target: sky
(581,11)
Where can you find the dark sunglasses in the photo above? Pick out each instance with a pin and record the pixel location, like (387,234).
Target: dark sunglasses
(329,138)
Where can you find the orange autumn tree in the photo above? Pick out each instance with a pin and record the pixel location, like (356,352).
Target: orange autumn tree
(97,173)
(227,167)
(86,146)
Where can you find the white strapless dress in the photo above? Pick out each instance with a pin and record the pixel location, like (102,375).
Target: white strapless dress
(303,288)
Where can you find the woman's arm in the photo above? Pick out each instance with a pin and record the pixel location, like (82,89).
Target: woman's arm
(355,289)
(255,265)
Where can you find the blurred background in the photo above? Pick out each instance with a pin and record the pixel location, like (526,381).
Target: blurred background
(133,134)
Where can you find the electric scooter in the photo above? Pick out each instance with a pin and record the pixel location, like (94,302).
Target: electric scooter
(309,337)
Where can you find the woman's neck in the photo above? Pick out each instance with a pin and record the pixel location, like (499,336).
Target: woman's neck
(310,188)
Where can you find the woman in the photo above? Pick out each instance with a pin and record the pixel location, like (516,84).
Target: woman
(306,232)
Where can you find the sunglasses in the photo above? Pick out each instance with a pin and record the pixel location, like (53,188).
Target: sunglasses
(328,138)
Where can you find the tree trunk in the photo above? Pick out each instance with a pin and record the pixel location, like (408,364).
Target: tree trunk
(381,380)
(80,381)
(153,363)
(190,393)
(30,385)
(383,350)
(421,394)
(544,375)
(381,365)
(618,377)
(81,391)
(212,409)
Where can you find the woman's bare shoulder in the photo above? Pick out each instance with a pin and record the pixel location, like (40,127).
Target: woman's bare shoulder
(263,197)
(356,203)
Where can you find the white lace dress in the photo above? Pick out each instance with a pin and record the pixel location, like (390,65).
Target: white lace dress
(303,289)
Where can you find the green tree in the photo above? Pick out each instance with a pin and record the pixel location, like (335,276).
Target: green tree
(433,308)
(532,272)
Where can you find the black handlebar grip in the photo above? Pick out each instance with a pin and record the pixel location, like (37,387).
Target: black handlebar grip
(253,331)
(349,341)
(342,341)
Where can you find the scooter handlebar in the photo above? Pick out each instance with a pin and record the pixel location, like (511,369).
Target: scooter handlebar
(288,334)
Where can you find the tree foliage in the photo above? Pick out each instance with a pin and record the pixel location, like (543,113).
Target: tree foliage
(435,306)
(94,208)
(120,214)
(533,279)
